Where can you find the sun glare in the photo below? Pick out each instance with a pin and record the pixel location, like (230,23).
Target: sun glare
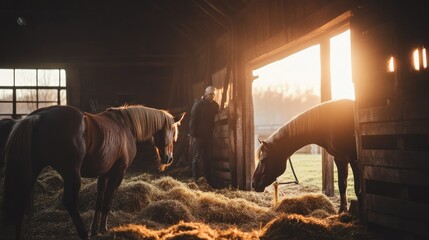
(299,74)
(295,76)
(341,67)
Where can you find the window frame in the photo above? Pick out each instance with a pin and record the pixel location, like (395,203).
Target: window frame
(62,86)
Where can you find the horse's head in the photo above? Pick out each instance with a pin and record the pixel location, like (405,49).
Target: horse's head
(270,166)
(164,142)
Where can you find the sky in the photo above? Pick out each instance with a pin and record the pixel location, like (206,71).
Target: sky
(299,74)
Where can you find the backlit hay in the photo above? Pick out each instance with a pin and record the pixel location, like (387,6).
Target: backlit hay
(294,226)
(130,232)
(180,231)
(184,195)
(305,205)
(135,196)
(167,183)
(161,207)
(218,208)
(168,211)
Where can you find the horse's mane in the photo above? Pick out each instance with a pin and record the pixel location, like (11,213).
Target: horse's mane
(300,124)
(307,122)
(145,121)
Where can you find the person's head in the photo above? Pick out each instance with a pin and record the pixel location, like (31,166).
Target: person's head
(210,93)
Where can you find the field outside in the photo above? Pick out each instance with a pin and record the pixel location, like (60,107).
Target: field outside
(308,169)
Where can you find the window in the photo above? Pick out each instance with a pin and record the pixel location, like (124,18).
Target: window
(25,90)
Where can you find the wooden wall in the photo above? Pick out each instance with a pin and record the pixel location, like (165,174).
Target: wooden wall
(392,117)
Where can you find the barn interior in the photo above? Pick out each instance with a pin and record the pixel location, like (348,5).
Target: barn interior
(163,53)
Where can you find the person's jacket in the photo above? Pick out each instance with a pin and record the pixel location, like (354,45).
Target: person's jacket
(202,118)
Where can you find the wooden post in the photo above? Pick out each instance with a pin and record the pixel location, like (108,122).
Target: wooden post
(327,160)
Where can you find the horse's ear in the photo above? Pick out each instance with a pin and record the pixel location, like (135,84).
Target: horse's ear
(260,141)
(265,144)
(179,118)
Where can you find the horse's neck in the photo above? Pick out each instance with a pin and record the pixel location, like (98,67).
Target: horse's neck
(297,134)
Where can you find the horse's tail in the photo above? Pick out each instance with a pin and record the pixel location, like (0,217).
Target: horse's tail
(6,126)
(18,171)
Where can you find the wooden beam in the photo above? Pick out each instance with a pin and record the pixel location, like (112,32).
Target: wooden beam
(327,160)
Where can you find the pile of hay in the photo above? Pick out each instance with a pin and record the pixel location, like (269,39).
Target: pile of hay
(150,206)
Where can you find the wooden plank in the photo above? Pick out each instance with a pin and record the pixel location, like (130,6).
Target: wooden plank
(240,146)
(417,110)
(221,128)
(221,116)
(221,163)
(232,148)
(222,175)
(402,224)
(394,175)
(409,111)
(221,153)
(398,207)
(379,114)
(224,134)
(418,160)
(400,127)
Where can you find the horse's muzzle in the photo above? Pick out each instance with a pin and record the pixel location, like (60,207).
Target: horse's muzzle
(258,187)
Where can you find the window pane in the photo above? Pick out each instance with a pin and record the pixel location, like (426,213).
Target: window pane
(42,105)
(6,95)
(48,77)
(25,77)
(48,95)
(6,108)
(63,78)
(63,97)
(25,108)
(6,77)
(5,116)
(26,95)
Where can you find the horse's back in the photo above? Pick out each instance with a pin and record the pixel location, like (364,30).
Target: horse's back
(58,132)
(340,117)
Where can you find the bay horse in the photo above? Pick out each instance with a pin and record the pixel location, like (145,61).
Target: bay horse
(78,144)
(329,125)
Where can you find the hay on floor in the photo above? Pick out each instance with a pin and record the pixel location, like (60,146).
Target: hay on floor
(149,206)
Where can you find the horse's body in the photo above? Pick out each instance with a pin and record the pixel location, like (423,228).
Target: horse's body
(6,126)
(79,145)
(329,125)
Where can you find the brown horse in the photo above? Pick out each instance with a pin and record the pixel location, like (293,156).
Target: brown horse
(79,145)
(329,125)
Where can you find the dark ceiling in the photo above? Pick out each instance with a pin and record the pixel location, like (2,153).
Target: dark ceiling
(127,30)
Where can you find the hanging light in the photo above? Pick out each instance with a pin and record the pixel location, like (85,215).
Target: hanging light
(416,59)
(391,64)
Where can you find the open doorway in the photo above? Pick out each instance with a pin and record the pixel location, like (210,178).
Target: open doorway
(292,85)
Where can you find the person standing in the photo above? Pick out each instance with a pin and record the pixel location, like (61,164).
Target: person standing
(201,127)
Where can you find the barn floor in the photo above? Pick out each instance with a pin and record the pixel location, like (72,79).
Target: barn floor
(151,206)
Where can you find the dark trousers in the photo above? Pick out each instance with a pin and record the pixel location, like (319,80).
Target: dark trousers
(202,150)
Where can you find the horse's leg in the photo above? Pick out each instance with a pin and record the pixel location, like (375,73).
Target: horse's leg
(356,179)
(101,188)
(342,169)
(113,183)
(70,198)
